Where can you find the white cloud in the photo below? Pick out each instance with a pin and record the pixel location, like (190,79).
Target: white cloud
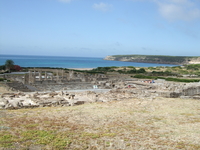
(103,7)
(65,1)
(174,10)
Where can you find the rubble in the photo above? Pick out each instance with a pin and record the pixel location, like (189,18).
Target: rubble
(138,90)
(52,91)
(52,99)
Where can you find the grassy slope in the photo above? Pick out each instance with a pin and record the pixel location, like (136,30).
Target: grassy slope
(130,124)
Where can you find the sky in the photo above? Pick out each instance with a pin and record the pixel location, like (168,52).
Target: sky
(97,28)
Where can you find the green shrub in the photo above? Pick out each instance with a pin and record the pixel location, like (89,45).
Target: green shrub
(133,70)
(167,79)
(182,80)
(104,69)
(130,67)
(141,70)
(144,77)
(2,79)
(151,68)
(161,73)
(193,67)
(3,67)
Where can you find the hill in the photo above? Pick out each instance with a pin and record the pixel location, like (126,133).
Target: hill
(158,59)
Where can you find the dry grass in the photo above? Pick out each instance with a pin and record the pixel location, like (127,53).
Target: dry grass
(131,124)
(3,90)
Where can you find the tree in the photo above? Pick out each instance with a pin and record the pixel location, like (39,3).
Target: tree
(9,64)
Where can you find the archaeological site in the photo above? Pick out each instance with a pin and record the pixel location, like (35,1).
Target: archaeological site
(55,87)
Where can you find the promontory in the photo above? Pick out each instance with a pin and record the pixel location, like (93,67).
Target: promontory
(158,59)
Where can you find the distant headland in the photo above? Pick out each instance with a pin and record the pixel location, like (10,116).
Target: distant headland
(158,59)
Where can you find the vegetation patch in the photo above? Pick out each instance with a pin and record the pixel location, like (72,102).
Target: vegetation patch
(167,79)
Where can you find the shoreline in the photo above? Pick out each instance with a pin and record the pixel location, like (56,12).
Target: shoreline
(70,62)
(81,68)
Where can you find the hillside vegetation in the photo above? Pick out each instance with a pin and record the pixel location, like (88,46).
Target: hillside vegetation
(159,59)
(186,73)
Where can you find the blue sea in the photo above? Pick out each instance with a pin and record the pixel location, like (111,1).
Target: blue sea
(69,62)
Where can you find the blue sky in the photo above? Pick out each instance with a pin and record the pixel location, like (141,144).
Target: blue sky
(97,28)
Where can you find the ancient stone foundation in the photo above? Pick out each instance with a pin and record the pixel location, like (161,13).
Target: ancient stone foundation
(46,82)
(127,90)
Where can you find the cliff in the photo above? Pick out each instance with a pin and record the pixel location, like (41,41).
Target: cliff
(158,59)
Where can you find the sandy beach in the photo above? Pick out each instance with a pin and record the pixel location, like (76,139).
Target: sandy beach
(82,68)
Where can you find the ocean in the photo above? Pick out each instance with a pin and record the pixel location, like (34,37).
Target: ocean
(69,62)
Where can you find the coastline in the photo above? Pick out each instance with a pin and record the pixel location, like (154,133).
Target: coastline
(79,63)
(81,68)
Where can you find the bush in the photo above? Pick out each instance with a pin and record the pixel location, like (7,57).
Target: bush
(176,67)
(130,67)
(167,79)
(141,70)
(104,69)
(121,71)
(2,79)
(161,73)
(16,68)
(133,70)
(3,67)
(144,77)
(182,80)
(151,68)
(193,67)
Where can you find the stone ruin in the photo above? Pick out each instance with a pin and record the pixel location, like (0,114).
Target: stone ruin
(24,100)
(44,85)
(161,88)
(59,76)
(122,90)
(52,80)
